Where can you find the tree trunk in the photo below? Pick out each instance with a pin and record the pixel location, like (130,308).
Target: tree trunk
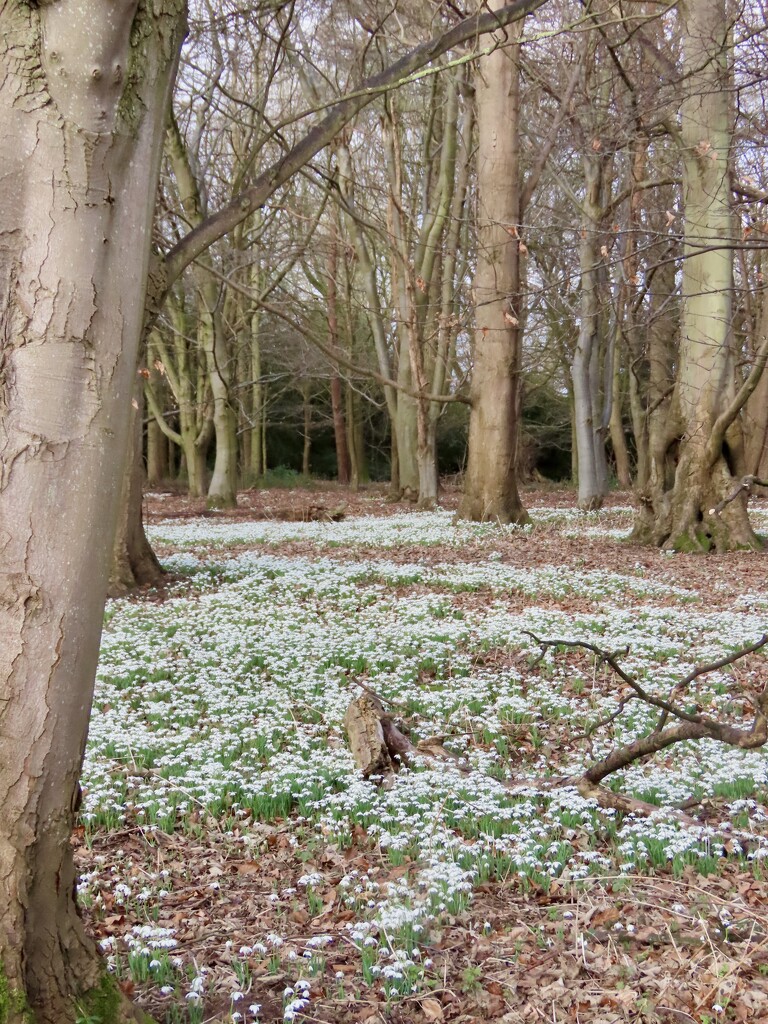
(81,118)
(306,399)
(134,563)
(356,441)
(618,438)
(405,421)
(366,271)
(490,487)
(585,369)
(257,463)
(222,490)
(756,409)
(343,462)
(651,421)
(406,431)
(337,401)
(187,380)
(701,452)
(158,467)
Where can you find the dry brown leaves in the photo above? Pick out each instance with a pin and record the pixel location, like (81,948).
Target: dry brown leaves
(650,948)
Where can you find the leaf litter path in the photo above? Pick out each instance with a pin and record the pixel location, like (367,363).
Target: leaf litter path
(250,919)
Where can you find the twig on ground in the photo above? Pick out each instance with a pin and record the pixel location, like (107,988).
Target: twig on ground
(688,725)
(378,744)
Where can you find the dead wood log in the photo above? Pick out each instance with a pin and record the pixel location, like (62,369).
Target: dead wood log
(308,514)
(378,746)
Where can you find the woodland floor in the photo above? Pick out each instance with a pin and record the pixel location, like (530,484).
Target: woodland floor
(236,867)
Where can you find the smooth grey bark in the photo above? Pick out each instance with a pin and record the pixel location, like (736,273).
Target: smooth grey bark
(491,485)
(491,482)
(84,91)
(700,455)
(585,368)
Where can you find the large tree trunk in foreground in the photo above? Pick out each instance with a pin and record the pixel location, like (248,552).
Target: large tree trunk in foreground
(703,446)
(81,117)
(490,488)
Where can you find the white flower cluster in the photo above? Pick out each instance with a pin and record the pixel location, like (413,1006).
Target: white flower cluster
(229,702)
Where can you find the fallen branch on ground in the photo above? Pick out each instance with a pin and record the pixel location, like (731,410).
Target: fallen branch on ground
(380,747)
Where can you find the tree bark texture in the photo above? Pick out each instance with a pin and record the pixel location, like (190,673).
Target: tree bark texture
(84,88)
(343,466)
(702,447)
(134,563)
(490,488)
(585,368)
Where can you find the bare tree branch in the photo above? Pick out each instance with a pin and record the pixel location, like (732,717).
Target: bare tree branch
(687,727)
(248,201)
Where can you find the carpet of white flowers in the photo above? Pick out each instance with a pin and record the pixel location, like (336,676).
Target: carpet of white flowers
(219,710)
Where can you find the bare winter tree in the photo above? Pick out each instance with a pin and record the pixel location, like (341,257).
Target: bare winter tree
(700,455)
(491,486)
(84,90)
(83,97)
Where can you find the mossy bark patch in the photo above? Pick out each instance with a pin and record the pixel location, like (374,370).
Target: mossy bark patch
(13,1002)
(101,1005)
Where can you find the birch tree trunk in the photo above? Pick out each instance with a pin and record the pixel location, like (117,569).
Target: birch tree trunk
(83,99)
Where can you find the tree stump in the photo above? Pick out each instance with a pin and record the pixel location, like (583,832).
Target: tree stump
(377,745)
